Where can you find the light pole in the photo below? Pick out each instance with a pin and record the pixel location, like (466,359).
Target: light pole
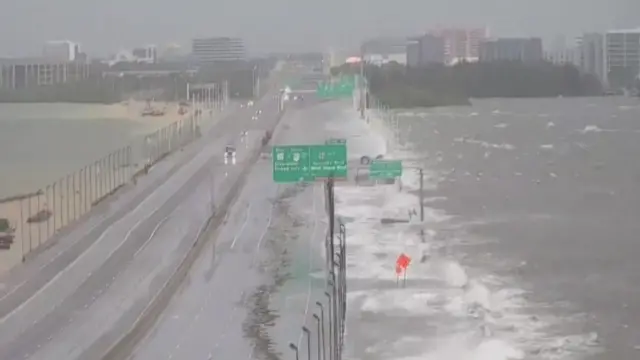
(315,316)
(293,347)
(331,353)
(324,348)
(308,333)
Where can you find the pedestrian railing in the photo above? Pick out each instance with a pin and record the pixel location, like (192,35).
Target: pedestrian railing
(328,327)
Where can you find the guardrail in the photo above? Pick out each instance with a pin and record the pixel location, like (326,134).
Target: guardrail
(30,220)
(330,317)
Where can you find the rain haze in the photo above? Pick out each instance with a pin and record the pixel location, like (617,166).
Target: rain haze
(290,25)
(319,180)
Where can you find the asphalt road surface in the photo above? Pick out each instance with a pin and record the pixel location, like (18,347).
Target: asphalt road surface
(77,298)
(269,249)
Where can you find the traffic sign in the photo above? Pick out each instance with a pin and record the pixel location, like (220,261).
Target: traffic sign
(334,141)
(340,89)
(295,163)
(385,169)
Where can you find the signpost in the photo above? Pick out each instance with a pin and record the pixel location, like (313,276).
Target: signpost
(296,163)
(385,169)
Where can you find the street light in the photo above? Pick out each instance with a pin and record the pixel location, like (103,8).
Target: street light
(331,353)
(308,333)
(293,347)
(315,316)
(324,348)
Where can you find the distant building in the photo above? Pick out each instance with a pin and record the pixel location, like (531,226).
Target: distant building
(63,50)
(592,55)
(23,73)
(385,50)
(622,57)
(215,49)
(147,54)
(461,44)
(512,49)
(565,56)
(425,50)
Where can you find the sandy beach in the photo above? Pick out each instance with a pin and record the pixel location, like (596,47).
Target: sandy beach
(57,164)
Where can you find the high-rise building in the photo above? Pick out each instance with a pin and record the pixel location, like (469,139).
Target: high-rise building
(214,49)
(62,50)
(566,56)
(512,49)
(425,50)
(622,57)
(461,44)
(591,49)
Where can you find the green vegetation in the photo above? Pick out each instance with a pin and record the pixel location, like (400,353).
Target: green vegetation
(437,85)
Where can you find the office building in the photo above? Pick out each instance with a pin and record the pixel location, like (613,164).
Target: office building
(381,51)
(566,56)
(512,49)
(591,49)
(215,49)
(425,50)
(63,50)
(23,73)
(461,44)
(622,57)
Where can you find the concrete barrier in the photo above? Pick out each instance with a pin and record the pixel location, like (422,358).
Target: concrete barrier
(145,322)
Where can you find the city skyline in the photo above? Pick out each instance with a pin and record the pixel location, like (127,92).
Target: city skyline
(287,25)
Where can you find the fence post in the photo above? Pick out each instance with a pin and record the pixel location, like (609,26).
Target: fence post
(37,218)
(29,216)
(22,237)
(75,191)
(47,204)
(68,199)
(55,210)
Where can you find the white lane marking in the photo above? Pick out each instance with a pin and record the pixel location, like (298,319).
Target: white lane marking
(82,255)
(311,241)
(153,233)
(244,225)
(147,199)
(253,347)
(266,229)
(99,223)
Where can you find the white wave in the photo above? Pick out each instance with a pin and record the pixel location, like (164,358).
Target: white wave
(546,147)
(595,129)
(500,125)
(480,316)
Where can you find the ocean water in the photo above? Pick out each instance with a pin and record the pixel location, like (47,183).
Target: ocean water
(40,143)
(529,245)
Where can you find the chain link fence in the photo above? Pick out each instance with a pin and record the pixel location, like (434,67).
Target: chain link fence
(28,221)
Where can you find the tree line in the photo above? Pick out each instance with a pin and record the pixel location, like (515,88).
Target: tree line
(439,85)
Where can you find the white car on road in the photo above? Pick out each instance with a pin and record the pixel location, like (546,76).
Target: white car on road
(230,155)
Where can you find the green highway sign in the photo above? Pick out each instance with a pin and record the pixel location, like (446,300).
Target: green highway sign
(340,89)
(385,169)
(295,163)
(334,141)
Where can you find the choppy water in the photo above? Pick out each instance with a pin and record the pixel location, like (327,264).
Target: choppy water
(557,183)
(39,143)
(531,240)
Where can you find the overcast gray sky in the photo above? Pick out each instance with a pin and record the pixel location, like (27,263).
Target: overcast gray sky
(103,27)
